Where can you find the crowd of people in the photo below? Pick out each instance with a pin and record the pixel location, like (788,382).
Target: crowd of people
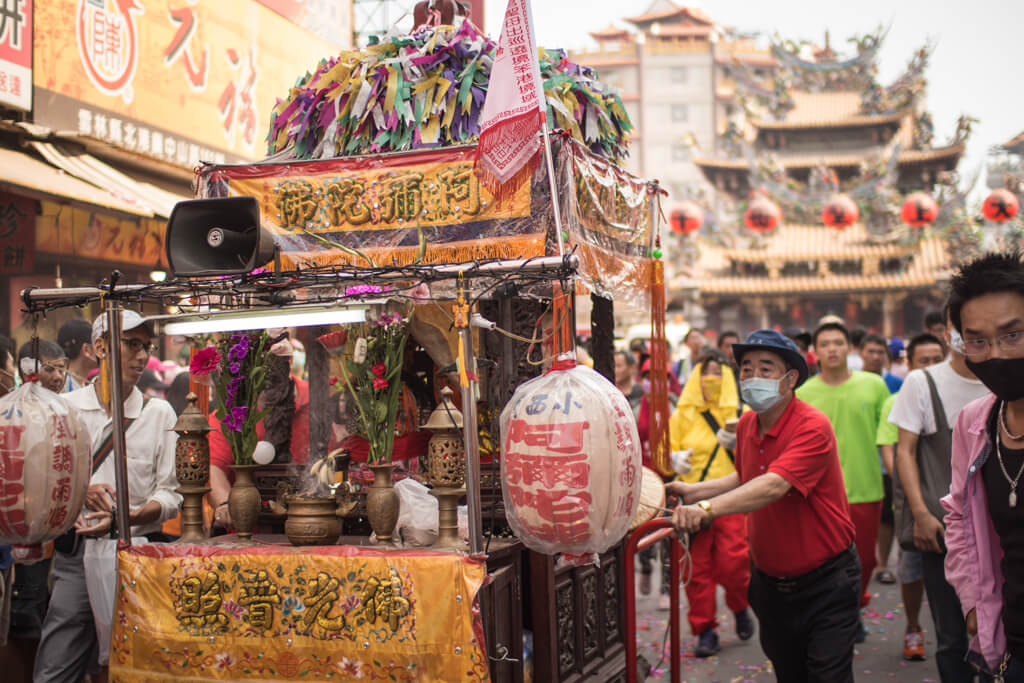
(846,443)
(799,459)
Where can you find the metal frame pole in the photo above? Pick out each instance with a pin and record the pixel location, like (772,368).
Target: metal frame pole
(554,186)
(644,536)
(117,419)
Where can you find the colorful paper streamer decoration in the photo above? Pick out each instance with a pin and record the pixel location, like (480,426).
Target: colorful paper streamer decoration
(425,90)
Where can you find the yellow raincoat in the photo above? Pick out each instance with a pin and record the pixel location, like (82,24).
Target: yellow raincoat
(688,429)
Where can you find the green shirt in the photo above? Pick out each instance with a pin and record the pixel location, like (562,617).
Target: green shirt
(888,433)
(854,408)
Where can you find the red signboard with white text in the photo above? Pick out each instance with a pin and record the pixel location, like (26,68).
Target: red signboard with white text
(16,54)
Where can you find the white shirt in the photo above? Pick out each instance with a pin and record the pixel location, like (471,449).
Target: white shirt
(150,442)
(913,407)
(854,361)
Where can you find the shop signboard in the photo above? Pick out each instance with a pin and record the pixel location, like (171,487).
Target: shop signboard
(17,223)
(178,80)
(16,54)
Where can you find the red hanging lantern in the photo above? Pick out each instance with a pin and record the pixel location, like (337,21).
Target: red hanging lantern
(919,210)
(44,465)
(570,463)
(1000,206)
(840,212)
(762,215)
(688,218)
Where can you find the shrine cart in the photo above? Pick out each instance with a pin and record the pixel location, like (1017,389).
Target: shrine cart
(389,224)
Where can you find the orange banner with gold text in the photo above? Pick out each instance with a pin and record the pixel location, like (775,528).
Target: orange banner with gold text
(278,613)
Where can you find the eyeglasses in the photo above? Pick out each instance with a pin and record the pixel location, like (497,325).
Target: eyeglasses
(59,368)
(136,345)
(1011,341)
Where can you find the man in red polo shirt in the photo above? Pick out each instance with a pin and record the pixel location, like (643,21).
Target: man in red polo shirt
(805,587)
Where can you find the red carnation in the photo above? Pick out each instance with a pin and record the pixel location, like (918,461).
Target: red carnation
(380,383)
(378,370)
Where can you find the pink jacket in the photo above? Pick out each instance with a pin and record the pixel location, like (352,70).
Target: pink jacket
(974,555)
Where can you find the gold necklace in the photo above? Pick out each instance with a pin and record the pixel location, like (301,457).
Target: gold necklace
(1006,427)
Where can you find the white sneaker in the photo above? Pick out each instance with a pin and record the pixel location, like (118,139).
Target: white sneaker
(664,601)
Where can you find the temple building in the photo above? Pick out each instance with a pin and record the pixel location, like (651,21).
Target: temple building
(810,127)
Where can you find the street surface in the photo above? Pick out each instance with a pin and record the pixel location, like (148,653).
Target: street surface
(879,658)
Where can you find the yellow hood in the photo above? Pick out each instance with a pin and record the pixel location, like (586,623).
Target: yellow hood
(693,396)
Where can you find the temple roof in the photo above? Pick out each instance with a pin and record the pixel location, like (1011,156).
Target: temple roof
(838,159)
(682,31)
(611,32)
(808,242)
(673,12)
(927,267)
(1015,144)
(827,110)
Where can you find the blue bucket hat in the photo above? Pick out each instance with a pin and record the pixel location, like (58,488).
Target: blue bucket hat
(776,342)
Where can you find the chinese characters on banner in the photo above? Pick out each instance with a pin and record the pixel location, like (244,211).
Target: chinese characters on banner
(273,611)
(17,225)
(16,53)
(70,231)
(177,80)
(381,208)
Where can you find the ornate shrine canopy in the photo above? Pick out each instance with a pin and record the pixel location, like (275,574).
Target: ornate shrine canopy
(380,209)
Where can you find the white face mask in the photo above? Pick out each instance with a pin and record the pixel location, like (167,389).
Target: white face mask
(761,393)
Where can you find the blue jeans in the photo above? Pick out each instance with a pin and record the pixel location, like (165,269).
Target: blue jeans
(950,628)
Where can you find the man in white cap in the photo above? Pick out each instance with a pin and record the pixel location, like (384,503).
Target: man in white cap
(68,648)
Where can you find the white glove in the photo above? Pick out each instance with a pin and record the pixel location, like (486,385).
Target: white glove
(726,440)
(681,461)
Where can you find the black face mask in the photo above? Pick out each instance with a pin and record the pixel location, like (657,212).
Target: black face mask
(1004,377)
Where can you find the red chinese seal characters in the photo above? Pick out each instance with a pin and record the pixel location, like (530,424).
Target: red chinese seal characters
(570,463)
(44,465)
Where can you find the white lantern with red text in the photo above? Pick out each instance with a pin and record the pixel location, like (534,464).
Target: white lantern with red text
(570,463)
(44,465)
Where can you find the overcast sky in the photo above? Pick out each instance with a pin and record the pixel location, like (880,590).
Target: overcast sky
(974,69)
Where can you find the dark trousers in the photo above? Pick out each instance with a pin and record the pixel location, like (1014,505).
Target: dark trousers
(950,628)
(649,555)
(808,624)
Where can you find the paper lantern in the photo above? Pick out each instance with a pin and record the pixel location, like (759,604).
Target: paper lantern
(762,215)
(1000,206)
(688,218)
(840,212)
(919,210)
(570,463)
(44,465)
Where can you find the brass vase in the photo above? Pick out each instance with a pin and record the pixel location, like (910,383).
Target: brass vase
(244,501)
(382,503)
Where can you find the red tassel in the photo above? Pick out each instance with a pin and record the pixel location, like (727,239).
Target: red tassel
(660,409)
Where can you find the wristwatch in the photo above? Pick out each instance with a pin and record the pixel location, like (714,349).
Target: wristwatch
(705,505)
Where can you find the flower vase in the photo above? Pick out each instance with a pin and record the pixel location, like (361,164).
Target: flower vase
(382,503)
(244,501)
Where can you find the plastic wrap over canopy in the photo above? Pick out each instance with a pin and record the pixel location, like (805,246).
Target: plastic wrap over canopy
(375,210)
(44,465)
(570,462)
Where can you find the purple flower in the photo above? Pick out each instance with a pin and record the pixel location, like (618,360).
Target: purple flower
(240,350)
(232,391)
(236,418)
(234,368)
(362,289)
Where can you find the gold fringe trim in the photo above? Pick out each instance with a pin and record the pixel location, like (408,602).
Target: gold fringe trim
(517,247)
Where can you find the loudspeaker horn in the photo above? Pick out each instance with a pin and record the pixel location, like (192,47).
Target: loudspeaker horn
(220,236)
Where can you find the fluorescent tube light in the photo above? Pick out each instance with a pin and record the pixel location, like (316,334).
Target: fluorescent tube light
(231,321)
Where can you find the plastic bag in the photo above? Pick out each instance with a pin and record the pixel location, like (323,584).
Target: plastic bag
(570,463)
(45,455)
(417,514)
(100,561)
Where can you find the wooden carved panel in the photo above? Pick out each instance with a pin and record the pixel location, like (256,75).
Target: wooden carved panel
(588,608)
(610,579)
(566,628)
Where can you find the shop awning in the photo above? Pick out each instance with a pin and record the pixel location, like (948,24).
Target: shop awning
(22,171)
(147,197)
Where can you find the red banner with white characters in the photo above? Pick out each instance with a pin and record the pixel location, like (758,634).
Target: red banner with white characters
(16,54)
